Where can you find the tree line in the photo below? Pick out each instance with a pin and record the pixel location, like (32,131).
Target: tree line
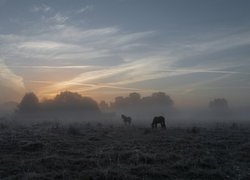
(134,103)
(65,101)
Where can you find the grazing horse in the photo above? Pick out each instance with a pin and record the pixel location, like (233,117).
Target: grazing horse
(158,120)
(126,119)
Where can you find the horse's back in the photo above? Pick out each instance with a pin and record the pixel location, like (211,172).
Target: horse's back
(161,118)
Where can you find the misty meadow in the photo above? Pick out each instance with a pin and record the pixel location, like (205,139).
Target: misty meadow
(124,89)
(74,137)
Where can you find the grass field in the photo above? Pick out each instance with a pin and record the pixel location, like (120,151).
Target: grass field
(83,151)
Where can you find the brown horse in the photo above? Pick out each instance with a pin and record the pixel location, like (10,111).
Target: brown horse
(126,119)
(158,120)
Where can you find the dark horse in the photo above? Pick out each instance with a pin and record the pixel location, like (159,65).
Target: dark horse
(158,120)
(126,119)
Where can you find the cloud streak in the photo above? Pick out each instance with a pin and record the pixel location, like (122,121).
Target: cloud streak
(9,79)
(133,72)
(41,8)
(110,57)
(85,9)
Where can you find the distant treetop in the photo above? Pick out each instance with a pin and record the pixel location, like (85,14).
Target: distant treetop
(29,103)
(65,101)
(219,105)
(73,101)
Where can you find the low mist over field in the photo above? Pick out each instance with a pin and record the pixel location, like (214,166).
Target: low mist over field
(70,107)
(132,137)
(124,89)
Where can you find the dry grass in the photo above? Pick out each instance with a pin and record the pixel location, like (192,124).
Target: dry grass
(103,152)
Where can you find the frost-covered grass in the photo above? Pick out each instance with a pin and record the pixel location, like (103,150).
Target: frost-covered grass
(83,151)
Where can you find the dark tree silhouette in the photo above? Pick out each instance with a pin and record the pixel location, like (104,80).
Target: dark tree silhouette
(219,106)
(159,98)
(66,106)
(120,102)
(65,101)
(134,97)
(162,99)
(29,103)
(136,105)
(104,106)
(70,101)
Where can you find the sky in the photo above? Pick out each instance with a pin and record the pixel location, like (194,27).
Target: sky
(194,50)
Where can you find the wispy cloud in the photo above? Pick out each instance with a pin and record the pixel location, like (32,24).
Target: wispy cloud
(69,43)
(44,45)
(56,41)
(210,44)
(53,67)
(132,72)
(197,85)
(85,9)
(58,18)
(9,79)
(41,8)
(205,70)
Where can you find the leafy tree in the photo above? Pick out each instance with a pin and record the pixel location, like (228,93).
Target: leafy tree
(134,97)
(219,106)
(29,103)
(133,104)
(104,106)
(70,101)
(162,99)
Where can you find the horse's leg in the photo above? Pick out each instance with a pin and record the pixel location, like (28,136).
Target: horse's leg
(164,125)
(153,125)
